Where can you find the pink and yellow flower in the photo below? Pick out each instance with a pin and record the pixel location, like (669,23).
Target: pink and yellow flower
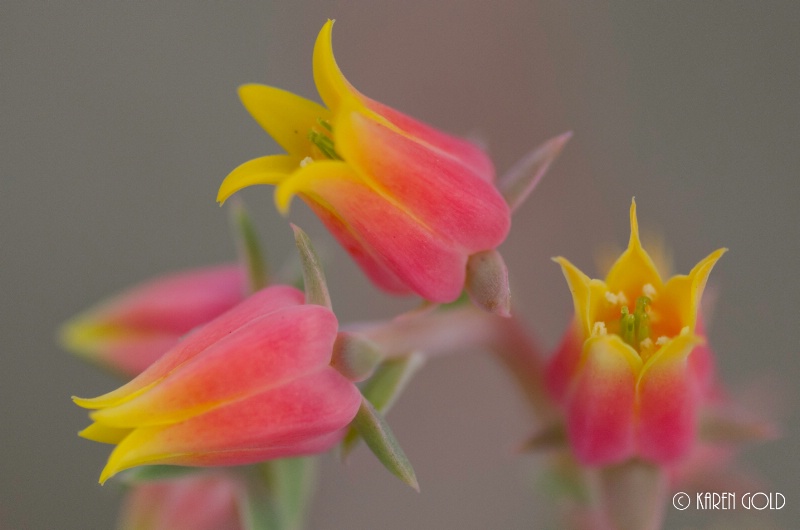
(251,385)
(129,332)
(408,202)
(633,369)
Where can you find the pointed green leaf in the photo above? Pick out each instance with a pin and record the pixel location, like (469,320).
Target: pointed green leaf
(522,178)
(380,439)
(313,276)
(248,246)
(383,389)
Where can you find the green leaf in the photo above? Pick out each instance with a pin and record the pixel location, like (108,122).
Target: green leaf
(249,247)
(522,178)
(380,439)
(313,276)
(383,389)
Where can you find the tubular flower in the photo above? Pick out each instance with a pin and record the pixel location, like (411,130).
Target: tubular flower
(633,369)
(408,202)
(129,332)
(194,502)
(251,385)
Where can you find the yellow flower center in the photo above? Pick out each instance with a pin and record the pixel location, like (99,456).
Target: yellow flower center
(644,328)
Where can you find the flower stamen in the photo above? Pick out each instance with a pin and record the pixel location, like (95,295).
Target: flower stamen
(324,143)
(634,327)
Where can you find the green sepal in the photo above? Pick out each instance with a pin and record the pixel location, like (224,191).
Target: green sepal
(382,390)
(522,178)
(355,356)
(380,439)
(248,247)
(313,276)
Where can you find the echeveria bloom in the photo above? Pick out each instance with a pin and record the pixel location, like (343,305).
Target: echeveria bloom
(633,369)
(129,332)
(408,202)
(251,385)
(194,502)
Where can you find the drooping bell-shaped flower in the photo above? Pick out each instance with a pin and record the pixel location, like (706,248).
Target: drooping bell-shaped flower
(127,333)
(411,204)
(251,385)
(633,369)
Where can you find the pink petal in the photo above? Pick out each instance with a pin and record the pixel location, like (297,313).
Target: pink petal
(600,413)
(562,366)
(265,353)
(668,404)
(438,191)
(391,244)
(469,156)
(178,302)
(301,417)
(257,305)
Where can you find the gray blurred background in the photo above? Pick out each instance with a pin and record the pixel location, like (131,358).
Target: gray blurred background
(119,121)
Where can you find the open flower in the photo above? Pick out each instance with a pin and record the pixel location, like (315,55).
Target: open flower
(633,370)
(408,202)
(129,332)
(251,385)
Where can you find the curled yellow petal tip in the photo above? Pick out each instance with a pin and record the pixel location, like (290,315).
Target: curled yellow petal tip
(283,199)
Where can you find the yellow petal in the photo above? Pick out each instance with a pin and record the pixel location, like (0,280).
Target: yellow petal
(676,349)
(113,398)
(585,294)
(285,116)
(634,268)
(685,292)
(104,434)
(129,453)
(264,170)
(611,344)
(304,179)
(331,83)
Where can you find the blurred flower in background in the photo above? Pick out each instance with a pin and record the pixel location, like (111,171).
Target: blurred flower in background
(127,333)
